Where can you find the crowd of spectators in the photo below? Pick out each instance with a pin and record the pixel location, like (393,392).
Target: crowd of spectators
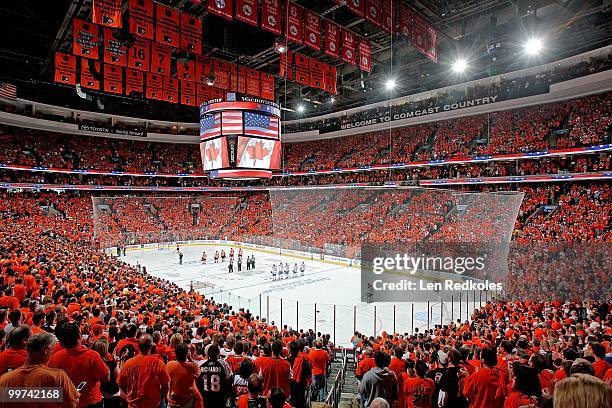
(71,315)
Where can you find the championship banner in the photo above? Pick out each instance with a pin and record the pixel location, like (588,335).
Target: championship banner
(253,84)
(365,62)
(107,12)
(233,75)
(432,44)
(167,25)
(419,32)
(65,68)
(330,79)
(355,6)
(286,65)
(332,39)
(242,75)
(221,72)
(295,20)
(134,82)
(139,54)
(202,69)
(185,69)
(222,8)
(191,33)
(154,86)
(348,47)
(115,51)
(373,9)
(271,16)
(216,93)
(160,59)
(188,93)
(202,93)
(86,37)
(113,79)
(141,18)
(302,69)
(170,90)
(246,11)
(388,18)
(89,78)
(267,86)
(312,29)
(405,21)
(317,74)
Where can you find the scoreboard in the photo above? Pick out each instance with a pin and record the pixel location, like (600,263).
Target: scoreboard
(240,137)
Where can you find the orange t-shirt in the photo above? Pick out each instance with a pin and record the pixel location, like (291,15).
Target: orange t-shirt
(182,382)
(41,376)
(82,365)
(418,392)
(276,372)
(11,359)
(484,388)
(365,365)
(600,367)
(141,378)
(318,360)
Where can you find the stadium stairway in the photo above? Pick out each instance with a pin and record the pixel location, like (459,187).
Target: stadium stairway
(350,395)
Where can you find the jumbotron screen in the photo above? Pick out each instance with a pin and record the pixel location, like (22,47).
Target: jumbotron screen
(240,133)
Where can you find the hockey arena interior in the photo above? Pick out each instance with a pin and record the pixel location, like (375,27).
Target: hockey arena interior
(306,204)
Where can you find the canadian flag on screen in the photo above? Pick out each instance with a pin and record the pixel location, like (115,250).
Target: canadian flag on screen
(212,154)
(258,153)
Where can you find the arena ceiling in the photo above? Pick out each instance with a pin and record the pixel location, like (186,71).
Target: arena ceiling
(33,31)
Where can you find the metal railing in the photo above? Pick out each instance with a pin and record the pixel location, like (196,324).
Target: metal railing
(335,393)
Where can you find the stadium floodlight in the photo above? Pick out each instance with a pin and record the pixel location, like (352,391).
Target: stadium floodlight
(533,46)
(459,66)
(332,100)
(300,108)
(280,46)
(390,84)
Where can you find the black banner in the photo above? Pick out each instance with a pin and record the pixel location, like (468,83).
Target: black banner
(385,117)
(113,130)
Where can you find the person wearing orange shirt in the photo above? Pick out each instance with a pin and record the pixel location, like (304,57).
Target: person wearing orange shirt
(35,373)
(14,356)
(8,300)
(483,387)
(183,391)
(319,359)
(276,371)
(600,366)
(397,365)
(20,290)
(525,387)
(129,340)
(419,390)
(144,378)
(81,364)
(366,364)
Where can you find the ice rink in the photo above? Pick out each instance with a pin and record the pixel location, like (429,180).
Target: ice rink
(328,290)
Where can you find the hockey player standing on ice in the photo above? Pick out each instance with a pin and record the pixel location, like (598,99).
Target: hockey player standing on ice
(216,256)
(239,264)
(273,272)
(180,254)
(230,267)
(253,261)
(222,255)
(248,263)
(286,270)
(302,268)
(295,270)
(240,252)
(203,257)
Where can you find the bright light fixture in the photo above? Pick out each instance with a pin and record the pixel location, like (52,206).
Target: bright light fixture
(390,84)
(300,108)
(332,100)
(533,46)
(459,66)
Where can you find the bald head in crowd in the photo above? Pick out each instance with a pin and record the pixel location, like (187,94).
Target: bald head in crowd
(379,403)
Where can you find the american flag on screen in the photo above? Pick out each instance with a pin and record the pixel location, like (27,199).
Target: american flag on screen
(8,91)
(260,125)
(210,126)
(232,122)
